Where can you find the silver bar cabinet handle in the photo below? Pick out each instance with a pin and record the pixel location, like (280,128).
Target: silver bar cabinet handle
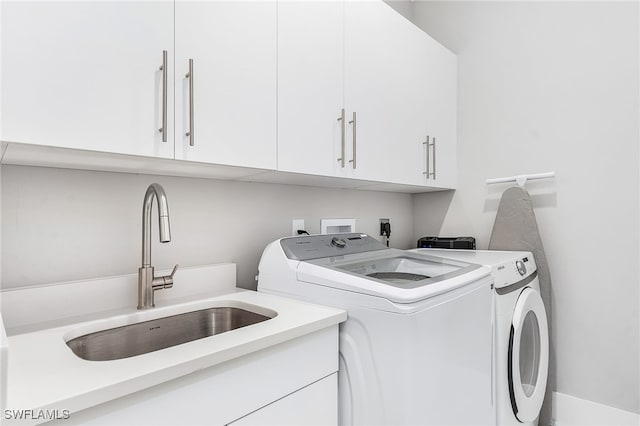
(434,158)
(342,130)
(163,68)
(426,145)
(355,123)
(190,77)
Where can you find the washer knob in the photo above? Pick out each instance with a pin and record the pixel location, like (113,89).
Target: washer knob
(522,269)
(338,242)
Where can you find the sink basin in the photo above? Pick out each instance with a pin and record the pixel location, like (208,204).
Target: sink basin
(148,336)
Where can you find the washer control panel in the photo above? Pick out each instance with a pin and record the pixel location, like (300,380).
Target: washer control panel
(308,247)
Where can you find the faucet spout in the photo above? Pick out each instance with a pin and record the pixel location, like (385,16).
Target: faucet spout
(155,191)
(147,282)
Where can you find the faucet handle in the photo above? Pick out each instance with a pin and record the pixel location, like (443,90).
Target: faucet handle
(168,280)
(165,281)
(175,268)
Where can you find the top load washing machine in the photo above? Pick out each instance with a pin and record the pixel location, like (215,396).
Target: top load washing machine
(521,333)
(416,347)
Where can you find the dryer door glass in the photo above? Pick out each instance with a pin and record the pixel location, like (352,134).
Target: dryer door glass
(528,355)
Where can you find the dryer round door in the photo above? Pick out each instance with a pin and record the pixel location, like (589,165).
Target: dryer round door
(528,355)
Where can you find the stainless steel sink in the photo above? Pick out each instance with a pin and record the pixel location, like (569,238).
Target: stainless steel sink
(161,333)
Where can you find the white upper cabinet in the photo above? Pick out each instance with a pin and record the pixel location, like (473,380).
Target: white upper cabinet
(441,116)
(363,57)
(87,75)
(429,115)
(233,48)
(383,87)
(346,89)
(310,86)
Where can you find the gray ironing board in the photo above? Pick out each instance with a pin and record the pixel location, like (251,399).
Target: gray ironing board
(515,228)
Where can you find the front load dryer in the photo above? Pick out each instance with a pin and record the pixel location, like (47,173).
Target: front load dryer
(521,333)
(416,347)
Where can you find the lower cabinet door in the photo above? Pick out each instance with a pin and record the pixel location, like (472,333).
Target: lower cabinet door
(316,404)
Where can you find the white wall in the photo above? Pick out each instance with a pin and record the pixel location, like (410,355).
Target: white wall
(60,225)
(553,86)
(403,7)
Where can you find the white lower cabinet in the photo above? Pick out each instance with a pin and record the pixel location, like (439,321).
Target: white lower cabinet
(313,405)
(290,383)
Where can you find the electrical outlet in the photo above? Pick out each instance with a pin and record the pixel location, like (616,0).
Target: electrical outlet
(295,225)
(382,222)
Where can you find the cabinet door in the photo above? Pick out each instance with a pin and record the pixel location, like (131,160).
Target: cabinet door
(233,47)
(380,86)
(316,404)
(310,86)
(86,75)
(442,110)
(414,114)
(430,109)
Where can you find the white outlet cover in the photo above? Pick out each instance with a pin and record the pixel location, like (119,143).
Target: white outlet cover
(295,225)
(337,226)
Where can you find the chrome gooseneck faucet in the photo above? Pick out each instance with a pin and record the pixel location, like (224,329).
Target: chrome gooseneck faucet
(147,282)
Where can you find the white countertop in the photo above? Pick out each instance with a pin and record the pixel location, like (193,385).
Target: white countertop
(43,373)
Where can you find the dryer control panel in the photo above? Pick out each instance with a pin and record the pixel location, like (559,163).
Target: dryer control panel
(308,247)
(521,267)
(517,270)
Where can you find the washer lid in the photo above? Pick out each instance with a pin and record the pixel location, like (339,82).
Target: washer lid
(396,275)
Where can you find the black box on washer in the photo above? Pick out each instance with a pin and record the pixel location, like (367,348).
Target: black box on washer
(461,243)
